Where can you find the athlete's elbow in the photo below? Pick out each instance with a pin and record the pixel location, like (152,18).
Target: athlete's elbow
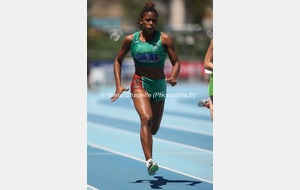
(178,67)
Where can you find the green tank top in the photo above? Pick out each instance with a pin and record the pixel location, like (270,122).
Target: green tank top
(150,54)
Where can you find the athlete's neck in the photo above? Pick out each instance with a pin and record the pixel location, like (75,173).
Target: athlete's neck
(146,36)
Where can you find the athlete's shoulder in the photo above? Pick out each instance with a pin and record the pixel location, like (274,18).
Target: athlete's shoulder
(129,37)
(133,37)
(165,39)
(164,35)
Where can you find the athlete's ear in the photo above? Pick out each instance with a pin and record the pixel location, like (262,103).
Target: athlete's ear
(141,21)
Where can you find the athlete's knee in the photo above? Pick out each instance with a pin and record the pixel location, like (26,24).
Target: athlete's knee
(146,120)
(154,129)
(154,132)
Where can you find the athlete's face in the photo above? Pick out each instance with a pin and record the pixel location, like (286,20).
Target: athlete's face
(149,22)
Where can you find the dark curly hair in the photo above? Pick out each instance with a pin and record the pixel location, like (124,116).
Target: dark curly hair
(149,7)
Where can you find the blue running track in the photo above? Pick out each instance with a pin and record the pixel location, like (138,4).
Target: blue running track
(183,147)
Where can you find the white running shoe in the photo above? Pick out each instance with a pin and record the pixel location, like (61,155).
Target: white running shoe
(152,168)
(204,103)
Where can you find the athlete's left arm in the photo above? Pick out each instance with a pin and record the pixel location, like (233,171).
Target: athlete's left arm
(208,57)
(169,46)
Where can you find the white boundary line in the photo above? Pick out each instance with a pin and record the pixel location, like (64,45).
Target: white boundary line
(174,126)
(97,125)
(89,187)
(134,158)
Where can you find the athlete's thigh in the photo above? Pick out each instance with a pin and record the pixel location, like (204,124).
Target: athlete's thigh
(141,102)
(157,110)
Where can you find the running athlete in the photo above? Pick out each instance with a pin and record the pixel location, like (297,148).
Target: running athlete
(208,64)
(149,49)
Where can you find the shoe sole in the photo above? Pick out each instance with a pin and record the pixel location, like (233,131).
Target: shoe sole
(203,103)
(152,169)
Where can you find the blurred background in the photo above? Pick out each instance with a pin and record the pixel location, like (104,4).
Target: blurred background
(188,22)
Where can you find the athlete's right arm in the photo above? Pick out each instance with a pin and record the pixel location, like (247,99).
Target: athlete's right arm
(118,66)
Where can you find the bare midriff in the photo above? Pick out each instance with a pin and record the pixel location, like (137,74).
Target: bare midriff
(150,72)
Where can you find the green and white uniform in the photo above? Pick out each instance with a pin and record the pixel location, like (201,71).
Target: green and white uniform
(211,85)
(149,54)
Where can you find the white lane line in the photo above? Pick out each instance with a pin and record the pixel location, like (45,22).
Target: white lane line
(89,187)
(99,126)
(140,160)
(191,125)
(140,154)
